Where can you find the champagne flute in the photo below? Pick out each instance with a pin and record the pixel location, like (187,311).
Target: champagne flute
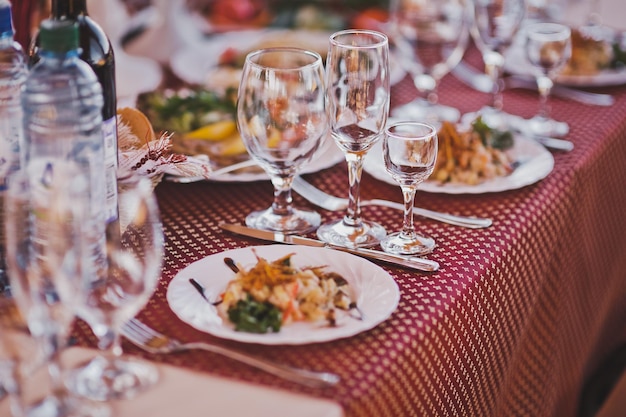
(282,119)
(44,213)
(496,23)
(357,96)
(434,35)
(410,152)
(548,48)
(107,300)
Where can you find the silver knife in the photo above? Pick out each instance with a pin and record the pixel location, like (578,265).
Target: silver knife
(412,262)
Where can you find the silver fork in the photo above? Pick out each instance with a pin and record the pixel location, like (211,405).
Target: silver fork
(332,203)
(154,342)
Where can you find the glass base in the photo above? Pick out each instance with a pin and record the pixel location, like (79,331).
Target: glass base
(299,221)
(544,126)
(423,111)
(102,380)
(341,233)
(401,244)
(67,407)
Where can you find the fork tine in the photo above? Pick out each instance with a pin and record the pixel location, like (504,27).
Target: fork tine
(138,330)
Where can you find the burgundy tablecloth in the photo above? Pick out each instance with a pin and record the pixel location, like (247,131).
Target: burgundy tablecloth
(516,319)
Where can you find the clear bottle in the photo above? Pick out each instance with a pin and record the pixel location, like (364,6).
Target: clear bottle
(13,71)
(62,104)
(97,51)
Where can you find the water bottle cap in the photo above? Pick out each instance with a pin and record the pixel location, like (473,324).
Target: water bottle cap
(6,27)
(58,35)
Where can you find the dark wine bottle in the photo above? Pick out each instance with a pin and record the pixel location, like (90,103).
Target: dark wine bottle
(97,51)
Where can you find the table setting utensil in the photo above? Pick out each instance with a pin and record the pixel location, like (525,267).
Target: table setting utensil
(154,342)
(282,119)
(410,152)
(481,82)
(548,46)
(431,37)
(411,262)
(333,203)
(358,94)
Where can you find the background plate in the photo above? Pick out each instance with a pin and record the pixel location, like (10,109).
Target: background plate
(535,164)
(375,291)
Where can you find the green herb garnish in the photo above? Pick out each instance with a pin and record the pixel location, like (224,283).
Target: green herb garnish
(491,137)
(252,316)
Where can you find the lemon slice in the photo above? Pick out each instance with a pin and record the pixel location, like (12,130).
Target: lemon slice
(217,131)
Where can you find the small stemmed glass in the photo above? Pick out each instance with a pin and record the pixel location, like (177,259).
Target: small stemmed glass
(45,210)
(410,152)
(496,22)
(548,48)
(357,82)
(282,120)
(432,36)
(106,297)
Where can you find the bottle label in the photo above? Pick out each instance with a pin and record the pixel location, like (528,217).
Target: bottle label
(109,128)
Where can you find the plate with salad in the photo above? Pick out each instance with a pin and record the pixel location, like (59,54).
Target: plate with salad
(283,295)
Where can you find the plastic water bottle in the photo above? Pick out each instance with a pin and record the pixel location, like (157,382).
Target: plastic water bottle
(13,72)
(62,103)
(97,51)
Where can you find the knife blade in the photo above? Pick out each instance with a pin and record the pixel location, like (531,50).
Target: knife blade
(412,262)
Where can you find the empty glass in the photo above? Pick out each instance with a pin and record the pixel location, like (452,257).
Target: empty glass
(496,22)
(431,36)
(548,48)
(44,216)
(282,120)
(106,298)
(357,83)
(410,152)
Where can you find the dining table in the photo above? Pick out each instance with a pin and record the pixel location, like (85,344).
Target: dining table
(517,318)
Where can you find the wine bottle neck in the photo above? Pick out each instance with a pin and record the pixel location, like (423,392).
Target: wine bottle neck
(68,8)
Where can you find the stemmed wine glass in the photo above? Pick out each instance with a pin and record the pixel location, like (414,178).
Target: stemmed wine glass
(44,215)
(357,84)
(496,23)
(410,152)
(548,48)
(107,297)
(282,119)
(433,35)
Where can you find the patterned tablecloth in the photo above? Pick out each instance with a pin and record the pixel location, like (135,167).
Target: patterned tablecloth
(516,319)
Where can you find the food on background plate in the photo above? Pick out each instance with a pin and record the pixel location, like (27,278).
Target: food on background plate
(472,156)
(202,122)
(271,294)
(592,54)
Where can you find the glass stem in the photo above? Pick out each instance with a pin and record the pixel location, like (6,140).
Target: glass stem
(426,86)
(408,194)
(52,352)
(282,195)
(544,84)
(111,343)
(355,170)
(494,62)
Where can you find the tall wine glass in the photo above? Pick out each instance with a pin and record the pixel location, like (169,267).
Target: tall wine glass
(433,35)
(410,152)
(548,48)
(107,300)
(44,213)
(282,119)
(357,85)
(496,23)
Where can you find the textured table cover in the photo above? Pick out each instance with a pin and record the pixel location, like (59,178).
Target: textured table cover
(516,319)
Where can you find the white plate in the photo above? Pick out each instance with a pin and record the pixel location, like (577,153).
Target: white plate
(516,63)
(535,164)
(326,156)
(375,291)
(194,63)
